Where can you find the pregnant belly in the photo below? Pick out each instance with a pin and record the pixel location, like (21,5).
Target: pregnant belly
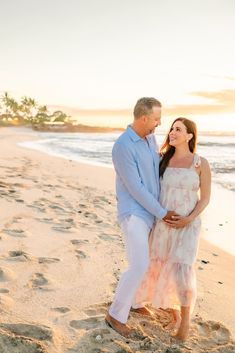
(182,204)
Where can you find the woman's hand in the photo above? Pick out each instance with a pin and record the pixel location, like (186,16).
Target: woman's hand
(178,221)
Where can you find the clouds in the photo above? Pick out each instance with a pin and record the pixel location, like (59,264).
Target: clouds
(218,102)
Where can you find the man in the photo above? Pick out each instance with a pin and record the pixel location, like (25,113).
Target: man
(137,186)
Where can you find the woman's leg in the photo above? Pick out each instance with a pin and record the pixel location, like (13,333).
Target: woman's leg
(183,330)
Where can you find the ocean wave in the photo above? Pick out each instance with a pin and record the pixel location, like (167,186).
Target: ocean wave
(97,150)
(223,170)
(217,144)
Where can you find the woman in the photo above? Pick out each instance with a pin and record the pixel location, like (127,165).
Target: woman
(170,281)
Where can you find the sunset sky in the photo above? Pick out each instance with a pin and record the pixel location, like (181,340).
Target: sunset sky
(82,56)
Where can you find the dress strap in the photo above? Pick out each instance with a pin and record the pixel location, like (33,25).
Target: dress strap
(196,161)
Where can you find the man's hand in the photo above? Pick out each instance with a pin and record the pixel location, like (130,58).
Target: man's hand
(169,215)
(177,221)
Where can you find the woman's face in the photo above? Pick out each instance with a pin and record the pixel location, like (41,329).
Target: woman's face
(178,134)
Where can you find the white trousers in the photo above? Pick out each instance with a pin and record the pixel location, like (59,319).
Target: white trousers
(136,237)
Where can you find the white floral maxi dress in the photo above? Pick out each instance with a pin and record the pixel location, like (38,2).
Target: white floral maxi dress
(170,281)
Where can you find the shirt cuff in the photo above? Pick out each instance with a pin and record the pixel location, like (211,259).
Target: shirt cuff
(162,213)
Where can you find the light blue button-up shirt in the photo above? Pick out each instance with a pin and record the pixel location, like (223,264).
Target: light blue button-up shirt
(136,163)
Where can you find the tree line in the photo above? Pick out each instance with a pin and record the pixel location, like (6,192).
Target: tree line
(27,111)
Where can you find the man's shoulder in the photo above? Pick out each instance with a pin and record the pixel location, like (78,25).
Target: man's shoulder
(123,139)
(123,146)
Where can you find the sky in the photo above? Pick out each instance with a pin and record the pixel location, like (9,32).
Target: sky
(95,58)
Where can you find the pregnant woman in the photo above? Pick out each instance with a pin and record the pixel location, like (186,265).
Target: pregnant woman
(170,281)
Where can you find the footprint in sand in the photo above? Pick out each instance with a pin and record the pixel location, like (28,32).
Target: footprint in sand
(114,238)
(20,233)
(97,326)
(19,200)
(47,260)
(80,254)
(84,224)
(99,221)
(68,221)
(41,333)
(98,309)
(10,343)
(57,208)
(87,324)
(16,219)
(6,275)
(37,208)
(82,205)
(106,237)
(18,255)
(215,332)
(63,228)
(98,338)
(11,191)
(46,220)
(79,241)
(61,309)
(3,193)
(92,343)
(39,281)
(90,215)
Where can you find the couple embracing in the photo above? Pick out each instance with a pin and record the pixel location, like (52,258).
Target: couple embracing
(158,209)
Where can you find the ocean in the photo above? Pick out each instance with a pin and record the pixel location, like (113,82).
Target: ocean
(95,148)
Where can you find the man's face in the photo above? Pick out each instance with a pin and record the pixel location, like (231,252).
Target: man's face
(153,120)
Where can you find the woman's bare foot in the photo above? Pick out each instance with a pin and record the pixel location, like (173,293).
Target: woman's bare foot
(123,329)
(183,331)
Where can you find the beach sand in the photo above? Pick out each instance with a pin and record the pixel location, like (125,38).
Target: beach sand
(62,254)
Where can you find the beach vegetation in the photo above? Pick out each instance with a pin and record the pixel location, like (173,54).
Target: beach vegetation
(28,112)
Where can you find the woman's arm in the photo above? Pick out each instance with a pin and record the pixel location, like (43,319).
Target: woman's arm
(205,191)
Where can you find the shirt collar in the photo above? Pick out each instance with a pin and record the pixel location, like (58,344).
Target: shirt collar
(133,135)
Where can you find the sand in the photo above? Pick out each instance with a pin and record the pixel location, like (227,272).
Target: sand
(61,254)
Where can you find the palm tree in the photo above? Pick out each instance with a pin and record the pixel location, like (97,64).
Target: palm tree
(14,107)
(5,98)
(41,117)
(28,108)
(29,111)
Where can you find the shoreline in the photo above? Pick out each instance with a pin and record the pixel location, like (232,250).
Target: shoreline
(218,192)
(60,216)
(66,148)
(104,129)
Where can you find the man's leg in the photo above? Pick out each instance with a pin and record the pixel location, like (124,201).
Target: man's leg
(136,233)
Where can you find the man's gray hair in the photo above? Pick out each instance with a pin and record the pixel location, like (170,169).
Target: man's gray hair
(144,106)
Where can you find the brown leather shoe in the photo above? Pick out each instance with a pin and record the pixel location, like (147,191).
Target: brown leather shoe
(123,329)
(142,311)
